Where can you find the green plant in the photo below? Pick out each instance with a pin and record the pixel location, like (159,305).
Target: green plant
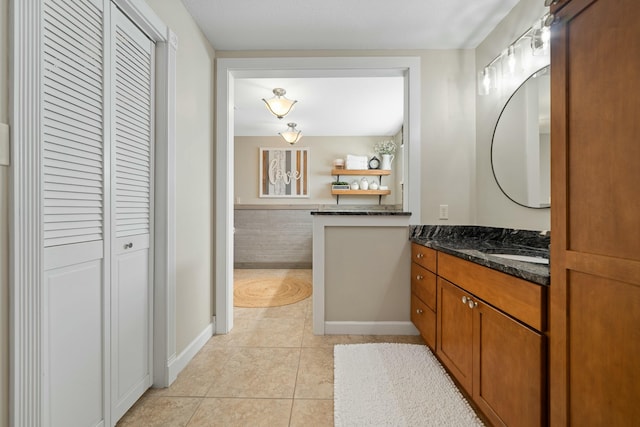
(385,147)
(339,183)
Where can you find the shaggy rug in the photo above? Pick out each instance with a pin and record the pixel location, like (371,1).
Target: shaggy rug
(270,291)
(395,385)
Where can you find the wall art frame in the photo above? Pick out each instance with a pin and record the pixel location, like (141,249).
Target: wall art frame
(284,172)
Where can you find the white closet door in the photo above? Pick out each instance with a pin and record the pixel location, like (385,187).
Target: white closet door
(132,207)
(73,177)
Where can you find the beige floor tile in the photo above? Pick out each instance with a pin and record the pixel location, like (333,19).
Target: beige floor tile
(315,374)
(258,373)
(152,411)
(196,378)
(316,413)
(242,413)
(251,374)
(263,333)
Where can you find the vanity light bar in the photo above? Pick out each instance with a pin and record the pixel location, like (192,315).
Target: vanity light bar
(539,34)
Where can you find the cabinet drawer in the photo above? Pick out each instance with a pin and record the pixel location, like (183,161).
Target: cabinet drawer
(423,285)
(514,296)
(426,257)
(425,320)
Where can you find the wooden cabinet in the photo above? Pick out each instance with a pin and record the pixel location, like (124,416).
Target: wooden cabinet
(455,333)
(488,329)
(497,359)
(509,369)
(423,292)
(356,172)
(595,214)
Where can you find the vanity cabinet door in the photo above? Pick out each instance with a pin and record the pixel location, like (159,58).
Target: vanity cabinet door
(508,362)
(455,332)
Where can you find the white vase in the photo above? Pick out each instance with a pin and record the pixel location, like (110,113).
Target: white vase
(386,161)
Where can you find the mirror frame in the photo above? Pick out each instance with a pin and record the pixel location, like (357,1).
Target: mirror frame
(493,170)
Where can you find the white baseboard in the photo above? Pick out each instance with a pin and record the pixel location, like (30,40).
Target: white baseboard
(370,328)
(182,360)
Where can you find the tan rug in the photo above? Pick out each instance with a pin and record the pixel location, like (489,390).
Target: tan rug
(270,291)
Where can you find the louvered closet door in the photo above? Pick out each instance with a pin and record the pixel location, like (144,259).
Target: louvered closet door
(74,213)
(132,207)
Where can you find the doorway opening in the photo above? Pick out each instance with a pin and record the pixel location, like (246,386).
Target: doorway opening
(228,72)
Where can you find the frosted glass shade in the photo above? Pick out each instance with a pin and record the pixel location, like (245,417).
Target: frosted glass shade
(279,105)
(291,135)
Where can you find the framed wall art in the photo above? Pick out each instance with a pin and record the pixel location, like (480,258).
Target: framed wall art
(284,172)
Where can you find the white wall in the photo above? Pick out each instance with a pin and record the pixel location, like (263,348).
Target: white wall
(322,151)
(4,226)
(194,172)
(447,123)
(493,207)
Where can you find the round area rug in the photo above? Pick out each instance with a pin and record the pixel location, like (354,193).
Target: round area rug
(270,291)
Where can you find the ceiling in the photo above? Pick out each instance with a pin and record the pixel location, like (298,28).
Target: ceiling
(348,106)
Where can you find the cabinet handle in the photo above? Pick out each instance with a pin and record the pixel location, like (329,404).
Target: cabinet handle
(419,311)
(468,301)
(419,255)
(419,277)
(128,245)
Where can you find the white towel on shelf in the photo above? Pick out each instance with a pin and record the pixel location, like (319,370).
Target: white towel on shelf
(357,162)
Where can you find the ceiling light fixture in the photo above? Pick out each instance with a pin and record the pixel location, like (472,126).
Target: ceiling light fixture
(279,105)
(291,135)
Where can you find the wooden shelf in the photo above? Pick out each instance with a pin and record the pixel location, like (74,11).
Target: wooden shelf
(361,172)
(361,192)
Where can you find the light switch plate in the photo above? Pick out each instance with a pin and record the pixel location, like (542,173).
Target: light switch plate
(5,153)
(444,211)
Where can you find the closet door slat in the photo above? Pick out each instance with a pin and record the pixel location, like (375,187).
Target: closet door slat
(133,135)
(73,123)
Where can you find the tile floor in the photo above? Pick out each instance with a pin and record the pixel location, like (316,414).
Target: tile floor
(269,371)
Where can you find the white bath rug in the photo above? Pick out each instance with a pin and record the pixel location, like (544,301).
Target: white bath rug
(395,385)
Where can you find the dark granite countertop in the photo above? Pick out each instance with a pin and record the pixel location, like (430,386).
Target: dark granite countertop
(362,212)
(479,244)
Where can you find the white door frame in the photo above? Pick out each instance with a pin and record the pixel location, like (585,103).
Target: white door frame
(28,380)
(229,69)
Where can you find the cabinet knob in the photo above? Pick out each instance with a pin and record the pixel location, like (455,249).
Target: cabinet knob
(128,245)
(465,299)
(471,303)
(419,277)
(419,255)
(419,311)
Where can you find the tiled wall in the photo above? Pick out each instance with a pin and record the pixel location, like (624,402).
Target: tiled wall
(272,237)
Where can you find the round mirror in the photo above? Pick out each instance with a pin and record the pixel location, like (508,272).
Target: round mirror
(520,149)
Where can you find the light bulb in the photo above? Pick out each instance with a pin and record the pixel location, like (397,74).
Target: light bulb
(486,82)
(511,59)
